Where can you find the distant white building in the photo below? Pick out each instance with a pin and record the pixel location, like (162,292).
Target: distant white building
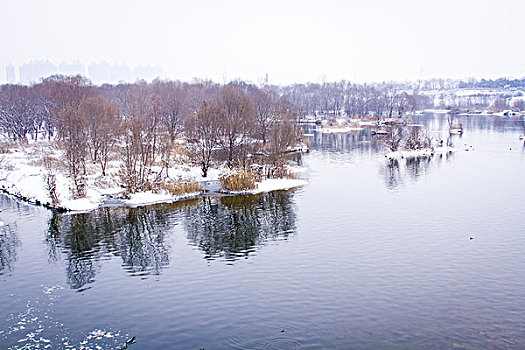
(74,68)
(10,74)
(148,73)
(34,71)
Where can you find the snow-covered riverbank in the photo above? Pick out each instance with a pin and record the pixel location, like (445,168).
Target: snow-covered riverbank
(23,174)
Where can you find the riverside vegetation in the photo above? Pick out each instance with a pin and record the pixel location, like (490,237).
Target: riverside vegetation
(153,136)
(148,137)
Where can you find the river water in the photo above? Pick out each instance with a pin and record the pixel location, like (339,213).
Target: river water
(369,255)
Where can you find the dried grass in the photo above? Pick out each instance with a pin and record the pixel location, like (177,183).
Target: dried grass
(4,147)
(49,163)
(181,187)
(240,180)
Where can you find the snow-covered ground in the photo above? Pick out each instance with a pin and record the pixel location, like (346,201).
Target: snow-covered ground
(333,130)
(22,173)
(426,152)
(274,185)
(436,111)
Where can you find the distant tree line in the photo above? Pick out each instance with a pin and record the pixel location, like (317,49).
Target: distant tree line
(501,83)
(356,100)
(387,100)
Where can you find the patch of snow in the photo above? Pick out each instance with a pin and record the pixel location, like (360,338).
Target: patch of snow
(81,204)
(149,197)
(426,152)
(111,191)
(279,184)
(298,169)
(270,185)
(329,130)
(444,150)
(367,123)
(437,111)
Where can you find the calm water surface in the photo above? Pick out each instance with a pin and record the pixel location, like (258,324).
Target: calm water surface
(368,255)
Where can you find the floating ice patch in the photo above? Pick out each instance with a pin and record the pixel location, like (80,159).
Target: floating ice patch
(50,290)
(35,328)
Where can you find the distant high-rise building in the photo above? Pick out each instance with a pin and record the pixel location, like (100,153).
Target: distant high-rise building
(102,73)
(99,72)
(10,76)
(120,72)
(148,73)
(34,71)
(74,68)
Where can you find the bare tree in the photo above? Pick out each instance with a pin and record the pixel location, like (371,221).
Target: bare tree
(65,95)
(265,112)
(102,119)
(238,121)
(205,127)
(391,97)
(73,139)
(417,139)
(174,105)
(283,135)
(174,109)
(519,105)
(500,104)
(141,119)
(19,111)
(393,138)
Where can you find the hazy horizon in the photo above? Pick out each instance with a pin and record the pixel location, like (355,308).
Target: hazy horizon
(292,42)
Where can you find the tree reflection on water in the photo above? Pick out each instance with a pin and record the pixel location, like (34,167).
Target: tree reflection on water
(396,171)
(417,167)
(233,227)
(9,243)
(391,173)
(136,235)
(229,227)
(141,240)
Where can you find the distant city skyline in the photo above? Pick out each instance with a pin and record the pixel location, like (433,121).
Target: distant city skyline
(291,41)
(98,73)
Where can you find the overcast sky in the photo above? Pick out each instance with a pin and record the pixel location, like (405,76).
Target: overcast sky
(291,41)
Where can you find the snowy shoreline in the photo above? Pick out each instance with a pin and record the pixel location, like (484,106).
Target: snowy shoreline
(148,197)
(22,176)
